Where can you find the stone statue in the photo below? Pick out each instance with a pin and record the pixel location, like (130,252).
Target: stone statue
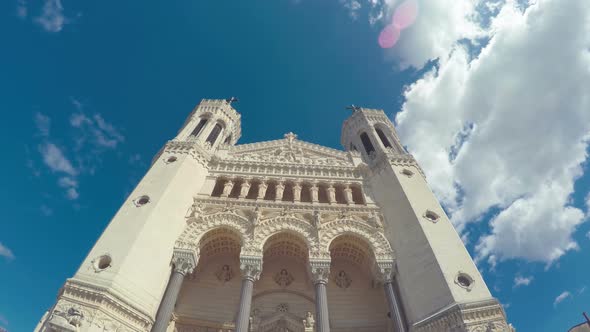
(262,189)
(314,192)
(256,216)
(317,219)
(227,187)
(279,191)
(308,321)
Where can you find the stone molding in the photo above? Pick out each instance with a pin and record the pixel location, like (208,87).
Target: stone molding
(82,305)
(251,267)
(386,271)
(481,316)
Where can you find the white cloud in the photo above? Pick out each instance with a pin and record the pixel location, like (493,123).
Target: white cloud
(101,133)
(72,193)
(522,281)
(52,18)
(588,204)
(5,252)
(43,124)
(561,297)
(54,158)
(508,129)
(21,8)
(71,186)
(353,7)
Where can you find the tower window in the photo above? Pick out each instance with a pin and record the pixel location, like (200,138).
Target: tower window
(199,127)
(227,140)
(367,143)
(383,138)
(352,147)
(214,134)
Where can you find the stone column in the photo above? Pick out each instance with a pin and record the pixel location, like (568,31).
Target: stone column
(348,194)
(297,192)
(251,268)
(279,189)
(184,262)
(320,270)
(227,188)
(387,275)
(331,194)
(262,189)
(314,190)
(245,188)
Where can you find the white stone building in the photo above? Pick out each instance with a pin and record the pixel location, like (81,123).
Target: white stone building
(282,235)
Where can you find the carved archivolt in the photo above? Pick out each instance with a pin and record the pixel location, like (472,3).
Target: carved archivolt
(197,227)
(273,226)
(253,233)
(376,240)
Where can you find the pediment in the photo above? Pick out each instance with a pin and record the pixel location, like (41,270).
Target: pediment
(289,150)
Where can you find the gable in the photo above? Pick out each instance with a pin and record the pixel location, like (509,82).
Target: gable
(289,150)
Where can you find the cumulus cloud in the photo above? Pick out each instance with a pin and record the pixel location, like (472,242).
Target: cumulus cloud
(353,7)
(561,297)
(522,281)
(46,211)
(52,17)
(506,129)
(5,252)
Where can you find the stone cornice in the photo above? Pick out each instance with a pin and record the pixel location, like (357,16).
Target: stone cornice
(486,315)
(299,207)
(342,155)
(102,298)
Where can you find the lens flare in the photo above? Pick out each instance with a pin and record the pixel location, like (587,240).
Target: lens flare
(388,36)
(405,14)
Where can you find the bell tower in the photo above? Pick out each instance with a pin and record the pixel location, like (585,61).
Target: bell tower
(438,282)
(120,284)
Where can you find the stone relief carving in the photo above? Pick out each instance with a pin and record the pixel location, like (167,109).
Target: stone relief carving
(342,279)
(283,278)
(224,273)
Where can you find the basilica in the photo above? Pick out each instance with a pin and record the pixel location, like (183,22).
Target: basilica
(282,235)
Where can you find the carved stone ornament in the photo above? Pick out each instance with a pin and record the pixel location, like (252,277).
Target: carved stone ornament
(342,279)
(385,271)
(184,261)
(309,321)
(283,307)
(251,267)
(283,278)
(224,273)
(320,271)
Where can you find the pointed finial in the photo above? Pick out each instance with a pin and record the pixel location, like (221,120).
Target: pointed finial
(353,108)
(231,100)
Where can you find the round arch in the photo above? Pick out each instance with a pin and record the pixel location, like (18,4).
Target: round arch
(273,226)
(198,227)
(377,242)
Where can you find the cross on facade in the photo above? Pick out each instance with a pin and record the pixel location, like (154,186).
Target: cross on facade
(353,108)
(231,100)
(290,136)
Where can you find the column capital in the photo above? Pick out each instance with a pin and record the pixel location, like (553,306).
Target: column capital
(320,270)
(251,267)
(184,261)
(386,271)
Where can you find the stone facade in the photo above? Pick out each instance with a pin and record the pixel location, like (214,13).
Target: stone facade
(282,235)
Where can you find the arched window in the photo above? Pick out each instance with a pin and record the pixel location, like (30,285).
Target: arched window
(383,138)
(199,127)
(367,143)
(214,134)
(352,147)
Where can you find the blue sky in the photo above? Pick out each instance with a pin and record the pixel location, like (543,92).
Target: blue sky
(91,91)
